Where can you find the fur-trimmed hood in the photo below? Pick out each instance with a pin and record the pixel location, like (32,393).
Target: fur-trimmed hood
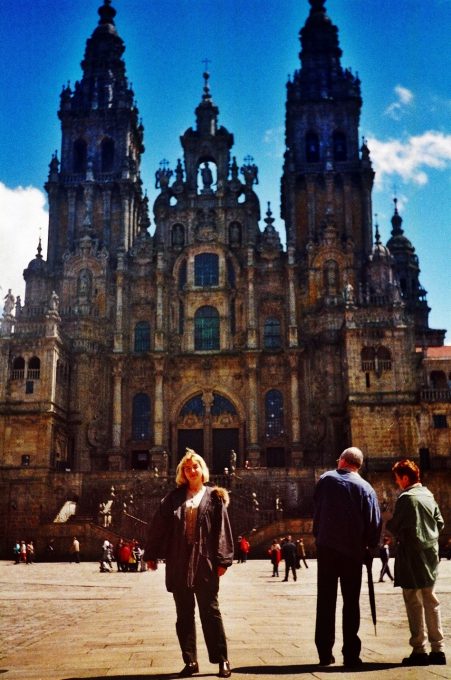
(221,493)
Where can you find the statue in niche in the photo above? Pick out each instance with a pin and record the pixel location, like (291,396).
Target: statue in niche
(235,234)
(54,302)
(349,293)
(84,284)
(178,236)
(207,177)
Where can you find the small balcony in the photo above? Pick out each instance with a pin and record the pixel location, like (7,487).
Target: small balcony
(433,395)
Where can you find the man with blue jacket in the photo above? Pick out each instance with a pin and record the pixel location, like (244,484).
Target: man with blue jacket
(346,522)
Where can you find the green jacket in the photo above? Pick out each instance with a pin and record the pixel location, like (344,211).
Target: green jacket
(416,524)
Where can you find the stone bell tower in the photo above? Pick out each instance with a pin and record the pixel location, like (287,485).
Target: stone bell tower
(95,191)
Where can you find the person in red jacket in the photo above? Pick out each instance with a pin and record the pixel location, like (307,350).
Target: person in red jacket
(243,549)
(275,556)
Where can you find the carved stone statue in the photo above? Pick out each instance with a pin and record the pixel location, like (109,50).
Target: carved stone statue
(207,176)
(54,302)
(9,303)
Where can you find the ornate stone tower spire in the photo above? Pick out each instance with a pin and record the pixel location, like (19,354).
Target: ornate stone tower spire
(325,181)
(408,271)
(96,191)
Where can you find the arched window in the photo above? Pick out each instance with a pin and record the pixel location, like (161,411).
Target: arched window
(181,317)
(18,369)
(274,426)
(206,328)
(195,406)
(141,417)
(206,269)
(178,235)
(339,146)
(368,358)
(383,358)
(222,405)
(107,154)
(142,336)
(34,369)
(271,334)
(311,147)
(80,155)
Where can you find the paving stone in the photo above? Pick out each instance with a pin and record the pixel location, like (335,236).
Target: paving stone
(65,623)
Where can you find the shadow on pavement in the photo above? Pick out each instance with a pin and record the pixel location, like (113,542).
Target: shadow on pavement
(311,668)
(147,676)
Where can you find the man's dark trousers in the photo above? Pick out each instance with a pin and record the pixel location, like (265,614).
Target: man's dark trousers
(332,566)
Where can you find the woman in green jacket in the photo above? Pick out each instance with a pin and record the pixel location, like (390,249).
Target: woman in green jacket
(416,524)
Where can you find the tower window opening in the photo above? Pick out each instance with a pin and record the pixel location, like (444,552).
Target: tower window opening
(18,369)
(107,154)
(311,147)
(339,146)
(383,359)
(34,369)
(368,359)
(80,155)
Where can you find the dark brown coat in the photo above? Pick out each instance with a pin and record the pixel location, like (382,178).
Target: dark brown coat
(213,546)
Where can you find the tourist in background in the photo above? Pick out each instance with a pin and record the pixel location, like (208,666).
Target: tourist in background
(289,554)
(416,524)
(384,554)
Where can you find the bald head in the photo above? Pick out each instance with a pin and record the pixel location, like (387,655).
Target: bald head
(351,458)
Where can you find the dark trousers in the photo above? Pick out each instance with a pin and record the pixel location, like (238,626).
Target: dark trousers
(334,566)
(288,566)
(206,595)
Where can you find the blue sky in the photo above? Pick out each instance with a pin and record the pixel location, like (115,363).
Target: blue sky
(400,49)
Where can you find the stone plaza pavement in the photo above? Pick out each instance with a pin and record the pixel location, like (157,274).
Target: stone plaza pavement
(68,621)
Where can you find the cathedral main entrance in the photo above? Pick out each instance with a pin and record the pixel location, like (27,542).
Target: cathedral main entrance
(209,424)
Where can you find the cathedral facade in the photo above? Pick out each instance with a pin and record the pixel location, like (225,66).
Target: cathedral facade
(128,346)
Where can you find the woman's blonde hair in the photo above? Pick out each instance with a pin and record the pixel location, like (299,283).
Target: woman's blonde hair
(190,455)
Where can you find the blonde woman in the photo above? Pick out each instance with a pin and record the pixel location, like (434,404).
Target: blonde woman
(191,530)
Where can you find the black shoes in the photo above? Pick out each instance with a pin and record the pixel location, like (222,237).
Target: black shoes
(353,663)
(419,659)
(437,658)
(224,669)
(327,660)
(189,670)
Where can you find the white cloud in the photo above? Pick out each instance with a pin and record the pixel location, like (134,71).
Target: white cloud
(274,138)
(22,214)
(411,158)
(404,98)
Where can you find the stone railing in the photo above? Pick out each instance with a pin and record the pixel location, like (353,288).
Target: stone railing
(431,394)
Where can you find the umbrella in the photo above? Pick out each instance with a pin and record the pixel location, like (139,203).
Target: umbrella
(369,563)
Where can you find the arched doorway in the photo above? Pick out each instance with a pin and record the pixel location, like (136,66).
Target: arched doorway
(209,423)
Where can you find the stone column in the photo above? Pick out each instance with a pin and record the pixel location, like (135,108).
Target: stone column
(158,409)
(159,335)
(117,406)
(251,323)
(253,448)
(296,452)
(118,331)
(292,325)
